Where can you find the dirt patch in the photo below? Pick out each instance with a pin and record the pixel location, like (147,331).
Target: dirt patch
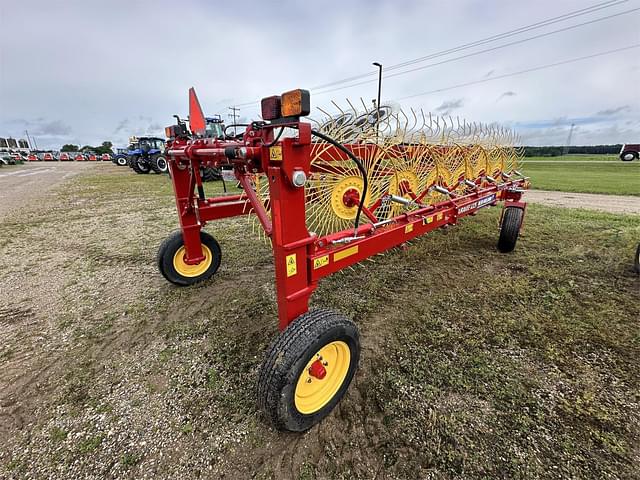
(21,184)
(588,201)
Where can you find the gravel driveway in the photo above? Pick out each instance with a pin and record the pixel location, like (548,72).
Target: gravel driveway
(589,201)
(26,183)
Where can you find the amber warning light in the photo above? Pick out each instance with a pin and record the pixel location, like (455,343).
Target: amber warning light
(286,107)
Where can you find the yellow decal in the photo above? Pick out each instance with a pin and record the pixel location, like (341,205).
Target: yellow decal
(427,220)
(347,252)
(440,216)
(320,262)
(275,154)
(408,228)
(292,268)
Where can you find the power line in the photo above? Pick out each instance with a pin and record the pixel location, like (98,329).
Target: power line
(486,50)
(533,69)
(523,29)
(500,36)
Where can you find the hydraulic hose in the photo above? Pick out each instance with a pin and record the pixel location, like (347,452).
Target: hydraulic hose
(275,140)
(363,172)
(234,125)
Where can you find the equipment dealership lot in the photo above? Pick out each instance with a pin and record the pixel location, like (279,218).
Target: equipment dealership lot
(108,371)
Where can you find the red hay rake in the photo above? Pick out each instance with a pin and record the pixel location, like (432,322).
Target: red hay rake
(379,182)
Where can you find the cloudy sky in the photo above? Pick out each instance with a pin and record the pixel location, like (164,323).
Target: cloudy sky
(87,71)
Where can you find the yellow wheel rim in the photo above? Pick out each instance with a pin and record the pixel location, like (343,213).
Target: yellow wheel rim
(191,271)
(313,393)
(337,197)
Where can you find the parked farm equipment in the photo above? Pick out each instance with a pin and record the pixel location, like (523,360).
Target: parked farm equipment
(120,157)
(7,158)
(146,154)
(214,128)
(629,152)
(356,185)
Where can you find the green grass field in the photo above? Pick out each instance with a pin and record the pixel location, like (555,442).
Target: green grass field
(584,173)
(576,158)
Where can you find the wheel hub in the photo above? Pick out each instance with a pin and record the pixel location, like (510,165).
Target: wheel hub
(187,270)
(351,197)
(404,182)
(317,370)
(345,197)
(322,377)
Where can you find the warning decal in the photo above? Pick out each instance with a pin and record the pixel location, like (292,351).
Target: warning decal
(320,262)
(275,154)
(292,267)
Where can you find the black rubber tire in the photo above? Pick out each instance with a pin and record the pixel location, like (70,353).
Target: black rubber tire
(138,165)
(632,156)
(510,229)
(152,164)
(158,163)
(121,161)
(172,244)
(162,163)
(636,261)
(209,174)
(288,356)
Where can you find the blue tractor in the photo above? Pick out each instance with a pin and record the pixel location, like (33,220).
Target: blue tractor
(120,158)
(147,154)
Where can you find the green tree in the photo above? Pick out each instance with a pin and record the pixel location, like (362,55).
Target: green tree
(106,147)
(69,147)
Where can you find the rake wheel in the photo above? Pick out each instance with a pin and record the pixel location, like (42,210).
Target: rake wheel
(404,154)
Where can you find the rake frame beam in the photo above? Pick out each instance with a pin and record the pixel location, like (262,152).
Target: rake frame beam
(301,258)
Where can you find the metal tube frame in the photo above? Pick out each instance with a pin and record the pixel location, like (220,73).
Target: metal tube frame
(301,258)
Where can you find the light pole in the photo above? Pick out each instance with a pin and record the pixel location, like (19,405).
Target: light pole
(379,65)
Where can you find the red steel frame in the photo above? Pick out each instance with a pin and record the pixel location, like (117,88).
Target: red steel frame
(301,258)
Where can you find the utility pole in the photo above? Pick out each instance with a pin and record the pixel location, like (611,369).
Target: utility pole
(234,115)
(565,150)
(379,65)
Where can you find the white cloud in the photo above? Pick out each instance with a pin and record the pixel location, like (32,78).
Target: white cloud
(92,65)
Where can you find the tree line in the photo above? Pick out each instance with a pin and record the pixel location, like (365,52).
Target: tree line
(106,147)
(557,151)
